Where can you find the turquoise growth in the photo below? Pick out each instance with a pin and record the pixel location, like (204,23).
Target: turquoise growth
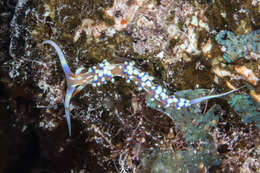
(196,127)
(246,107)
(238,46)
(191,121)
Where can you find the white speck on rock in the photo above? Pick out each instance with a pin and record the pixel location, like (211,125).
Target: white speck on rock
(160,55)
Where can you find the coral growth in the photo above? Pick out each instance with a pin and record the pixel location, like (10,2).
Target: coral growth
(237,46)
(246,107)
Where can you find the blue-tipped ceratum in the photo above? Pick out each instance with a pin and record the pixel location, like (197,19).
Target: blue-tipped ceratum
(103,72)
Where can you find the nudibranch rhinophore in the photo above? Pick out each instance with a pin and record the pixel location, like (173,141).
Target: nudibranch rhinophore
(105,71)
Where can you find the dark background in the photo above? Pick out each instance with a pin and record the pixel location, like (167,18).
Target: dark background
(24,147)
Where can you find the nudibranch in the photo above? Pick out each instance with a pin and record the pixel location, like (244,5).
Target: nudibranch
(105,71)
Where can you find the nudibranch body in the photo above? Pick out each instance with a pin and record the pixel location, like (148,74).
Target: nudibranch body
(105,71)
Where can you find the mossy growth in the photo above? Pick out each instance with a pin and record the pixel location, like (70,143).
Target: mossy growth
(191,121)
(246,107)
(238,46)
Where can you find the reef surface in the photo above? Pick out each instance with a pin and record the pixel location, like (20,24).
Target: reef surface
(116,127)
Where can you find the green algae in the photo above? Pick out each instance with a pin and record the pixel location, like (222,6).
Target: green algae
(246,107)
(238,46)
(193,123)
(196,128)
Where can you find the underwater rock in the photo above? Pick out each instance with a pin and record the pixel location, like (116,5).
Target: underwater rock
(154,27)
(206,48)
(161,28)
(248,74)
(221,72)
(191,160)
(122,13)
(255,96)
(109,121)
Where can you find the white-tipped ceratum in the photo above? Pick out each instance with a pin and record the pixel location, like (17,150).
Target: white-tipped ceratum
(103,72)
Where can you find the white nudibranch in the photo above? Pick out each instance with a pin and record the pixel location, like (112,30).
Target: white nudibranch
(103,72)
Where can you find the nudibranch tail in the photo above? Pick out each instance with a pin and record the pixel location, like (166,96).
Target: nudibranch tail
(201,99)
